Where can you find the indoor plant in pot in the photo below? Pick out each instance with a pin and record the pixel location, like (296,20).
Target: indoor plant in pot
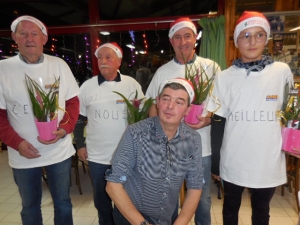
(136,111)
(44,101)
(202,84)
(290,120)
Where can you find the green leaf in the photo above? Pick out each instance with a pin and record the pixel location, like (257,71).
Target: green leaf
(48,100)
(201,81)
(135,114)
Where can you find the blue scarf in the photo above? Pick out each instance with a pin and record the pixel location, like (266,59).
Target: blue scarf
(254,66)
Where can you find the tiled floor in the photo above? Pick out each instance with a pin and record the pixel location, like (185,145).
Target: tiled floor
(283,208)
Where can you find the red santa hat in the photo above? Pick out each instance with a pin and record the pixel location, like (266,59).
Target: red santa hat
(185,83)
(251,19)
(181,23)
(114,46)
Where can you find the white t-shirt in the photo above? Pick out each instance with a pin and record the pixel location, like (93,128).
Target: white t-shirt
(173,70)
(15,100)
(106,113)
(251,153)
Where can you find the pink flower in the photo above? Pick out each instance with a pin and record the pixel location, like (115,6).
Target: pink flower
(39,99)
(136,102)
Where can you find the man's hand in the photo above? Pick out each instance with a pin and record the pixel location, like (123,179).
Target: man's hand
(216,177)
(27,150)
(59,135)
(295,153)
(203,122)
(82,154)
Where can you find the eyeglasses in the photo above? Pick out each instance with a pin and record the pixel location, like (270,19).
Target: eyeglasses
(168,152)
(259,37)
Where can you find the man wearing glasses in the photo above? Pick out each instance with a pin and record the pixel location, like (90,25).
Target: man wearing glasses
(153,159)
(250,155)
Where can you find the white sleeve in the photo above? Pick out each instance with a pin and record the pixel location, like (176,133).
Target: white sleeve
(215,103)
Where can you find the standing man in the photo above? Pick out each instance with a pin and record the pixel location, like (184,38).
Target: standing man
(28,154)
(182,36)
(105,114)
(153,159)
(251,153)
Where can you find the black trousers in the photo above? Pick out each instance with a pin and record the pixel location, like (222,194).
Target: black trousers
(260,204)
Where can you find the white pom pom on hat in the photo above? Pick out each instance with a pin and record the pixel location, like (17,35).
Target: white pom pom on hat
(185,83)
(181,23)
(31,19)
(251,19)
(114,46)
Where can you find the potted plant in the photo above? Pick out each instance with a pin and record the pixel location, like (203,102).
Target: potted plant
(202,84)
(290,118)
(134,112)
(44,102)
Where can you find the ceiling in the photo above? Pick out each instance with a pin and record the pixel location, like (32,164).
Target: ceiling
(70,12)
(63,13)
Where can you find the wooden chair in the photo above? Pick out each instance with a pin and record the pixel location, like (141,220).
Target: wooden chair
(182,194)
(74,164)
(82,163)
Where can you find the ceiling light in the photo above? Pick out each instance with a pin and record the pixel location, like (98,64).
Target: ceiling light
(142,52)
(130,46)
(296,28)
(104,33)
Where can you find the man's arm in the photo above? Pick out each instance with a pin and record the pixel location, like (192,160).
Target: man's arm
(203,122)
(217,133)
(189,206)
(11,138)
(121,199)
(79,138)
(70,118)
(67,124)
(7,133)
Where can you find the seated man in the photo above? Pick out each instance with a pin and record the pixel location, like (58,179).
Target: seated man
(153,159)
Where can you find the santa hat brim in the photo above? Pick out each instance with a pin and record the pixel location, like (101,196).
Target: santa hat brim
(114,47)
(15,23)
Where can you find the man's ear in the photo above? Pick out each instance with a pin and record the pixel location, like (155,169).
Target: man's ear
(119,62)
(13,36)
(188,110)
(45,39)
(157,100)
(171,41)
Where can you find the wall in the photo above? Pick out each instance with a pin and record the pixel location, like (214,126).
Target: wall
(231,17)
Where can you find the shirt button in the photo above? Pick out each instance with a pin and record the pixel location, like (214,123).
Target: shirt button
(167,178)
(165,194)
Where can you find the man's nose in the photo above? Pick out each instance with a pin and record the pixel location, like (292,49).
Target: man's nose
(182,40)
(171,104)
(29,37)
(252,40)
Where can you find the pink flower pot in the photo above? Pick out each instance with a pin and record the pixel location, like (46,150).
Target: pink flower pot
(290,139)
(195,111)
(45,129)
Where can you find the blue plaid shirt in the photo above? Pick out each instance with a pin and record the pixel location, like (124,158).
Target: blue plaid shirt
(152,169)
